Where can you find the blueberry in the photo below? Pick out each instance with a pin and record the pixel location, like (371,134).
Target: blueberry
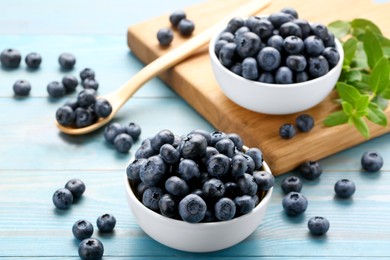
(266,77)
(264,180)
(192,208)
(263,28)
(83,117)
(209,216)
(188,170)
(111,131)
(62,198)
(102,108)
(256,155)
(290,29)
(237,140)
(318,226)
(305,27)
(90,83)
(133,169)
(72,103)
(276,41)
(169,154)
(22,88)
(153,171)
(106,223)
(231,190)
(296,62)
(213,189)
(238,166)
(91,249)
(165,36)
(10,58)
(197,192)
(251,164)
(301,76)
(344,188)
(251,21)
(249,69)
(204,133)
(314,46)
(56,89)
(186,27)
(248,44)
(318,66)
(234,24)
(67,61)
(177,186)
(293,44)
(163,137)
(33,60)
(123,143)
(151,198)
(145,150)
(224,209)
(70,83)
(330,42)
(284,76)
(227,54)
(86,97)
(217,136)
(279,18)
(244,204)
(247,184)
(218,46)
(371,161)
(218,165)
(167,206)
(291,183)
(82,229)
(291,11)
(76,187)
(287,131)
(226,147)
(227,36)
(331,55)
(65,116)
(141,188)
(241,31)
(193,146)
(294,204)
(269,59)
(310,170)
(304,122)
(176,17)
(210,151)
(134,130)
(87,73)
(320,30)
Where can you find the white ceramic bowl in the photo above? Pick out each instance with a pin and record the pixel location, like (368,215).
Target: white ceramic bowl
(276,99)
(198,237)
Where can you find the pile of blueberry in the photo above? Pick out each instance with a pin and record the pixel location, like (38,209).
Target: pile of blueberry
(279,49)
(198,177)
(64,197)
(179,21)
(122,137)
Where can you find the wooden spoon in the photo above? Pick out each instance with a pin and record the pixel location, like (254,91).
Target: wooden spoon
(119,97)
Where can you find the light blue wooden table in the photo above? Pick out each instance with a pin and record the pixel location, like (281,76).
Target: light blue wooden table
(36,159)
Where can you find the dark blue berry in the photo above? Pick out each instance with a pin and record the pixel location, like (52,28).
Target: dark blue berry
(310,170)
(318,226)
(141,187)
(210,151)
(169,154)
(65,116)
(344,188)
(318,66)
(226,147)
(67,61)
(301,76)
(249,69)
(279,18)
(193,146)
(134,130)
(287,131)
(294,204)
(234,24)
(22,88)
(276,41)
(238,166)
(86,98)
(106,223)
(163,137)
(320,30)
(284,76)
(296,62)
(331,55)
(76,187)
(264,180)
(90,83)
(176,17)
(256,155)
(293,44)
(123,143)
(269,59)
(291,183)
(371,161)
(177,186)
(290,29)
(244,204)
(82,229)
(218,46)
(314,46)
(204,133)
(305,27)
(167,206)
(62,198)
(33,60)
(231,190)
(248,44)
(241,31)
(91,249)
(251,21)
(250,163)
(72,103)
(247,184)
(87,73)
(266,77)
(227,53)
(111,131)
(218,165)
(165,36)
(224,209)
(70,83)
(133,169)
(217,136)
(213,189)
(330,42)
(237,140)
(227,36)
(263,28)
(56,89)
(83,117)
(192,208)
(188,170)
(197,192)
(10,58)
(145,150)
(186,27)
(209,216)
(102,108)
(304,122)
(151,198)
(153,171)
(291,11)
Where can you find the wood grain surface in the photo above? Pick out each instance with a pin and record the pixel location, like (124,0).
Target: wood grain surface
(194,81)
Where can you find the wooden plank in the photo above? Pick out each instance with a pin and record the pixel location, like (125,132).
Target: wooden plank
(193,80)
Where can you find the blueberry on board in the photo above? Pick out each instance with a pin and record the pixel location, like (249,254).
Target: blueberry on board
(87,73)
(238,166)
(218,46)
(320,30)
(296,62)
(167,206)
(314,46)
(301,76)
(218,165)
(192,208)
(276,41)
(163,137)
(56,89)
(284,76)
(91,249)
(213,189)
(287,131)
(234,24)
(111,131)
(224,209)
(267,77)
(83,117)
(318,226)
(293,44)
(294,204)
(331,55)
(10,58)
(102,108)
(318,66)
(251,164)
(151,198)
(248,44)
(216,136)
(169,154)
(186,27)
(279,18)
(123,143)
(231,190)
(291,183)
(268,59)
(344,188)
(244,204)
(236,68)
(264,180)
(134,130)
(165,36)
(310,170)
(67,61)
(188,170)
(227,36)
(82,229)
(256,155)
(177,186)
(291,11)
(33,60)
(76,187)
(290,29)
(176,17)
(22,88)
(237,140)
(65,116)
(133,169)
(204,133)
(90,83)
(249,68)
(241,31)
(153,171)
(70,83)
(304,122)
(247,184)
(86,97)
(106,223)
(193,146)
(227,54)
(145,150)
(62,198)
(371,161)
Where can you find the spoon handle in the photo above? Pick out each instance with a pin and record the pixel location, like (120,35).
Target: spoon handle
(120,96)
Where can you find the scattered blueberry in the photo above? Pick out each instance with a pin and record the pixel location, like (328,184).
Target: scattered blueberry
(56,89)
(106,223)
(111,131)
(294,204)
(176,17)
(67,61)
(70,83)
(287,131)
(310,170)
(91,249)
(192,208)
(82,229)
(186,27)
(318,226)
(344,188)
(291,184)
(304,122)
(123,143)
(76,187)
(87,73)
(371,161)
(10,58)
(62,198)
(134,130)
(165,36)
(90,83)
(22,88)
(33,60)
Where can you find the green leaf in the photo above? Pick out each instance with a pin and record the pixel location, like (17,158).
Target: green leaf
(347,92)
(349,47)
(360,58)
(361,126)
(347,108)
(336,118)
(353,75)
(339,28)
(359,26)
(376,115)
(372,47)
(380,76)
(386,92)
(360,86)
(380,101)
(362,103)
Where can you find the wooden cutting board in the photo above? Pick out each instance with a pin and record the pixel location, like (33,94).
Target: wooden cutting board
(194,81)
